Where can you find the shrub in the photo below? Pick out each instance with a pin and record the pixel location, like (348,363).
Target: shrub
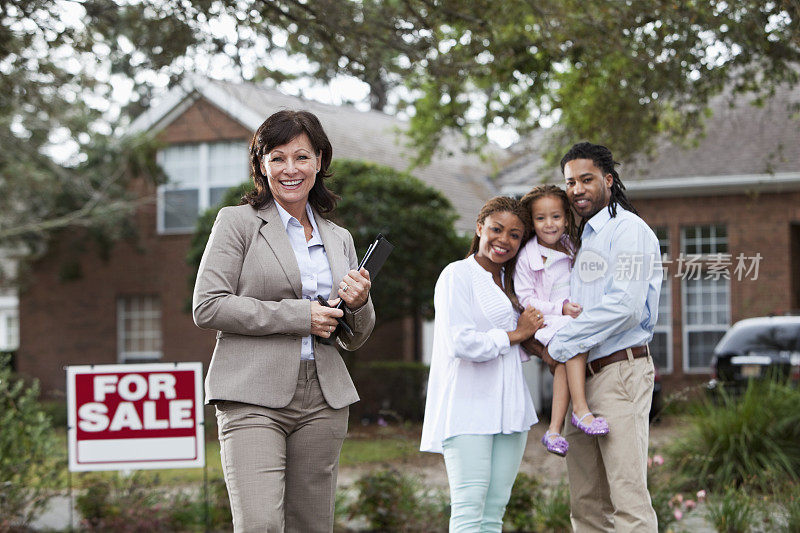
(395,387)
(752,441)
(791,507)
(123,504)
(553,512)
(393,502)
(28,448)
(139,503)
(731,512)
(525,497)
(187,510)
(535,508)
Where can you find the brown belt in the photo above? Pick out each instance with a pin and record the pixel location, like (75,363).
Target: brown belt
(595,366)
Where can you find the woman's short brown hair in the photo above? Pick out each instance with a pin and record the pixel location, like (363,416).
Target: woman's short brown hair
(279,129)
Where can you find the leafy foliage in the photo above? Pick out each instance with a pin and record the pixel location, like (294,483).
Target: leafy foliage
(417,220)
(62,164)
(733,511)
(141,503)
(622,72)
(533,507)
(396,387)
(752,441)
(393,502)
(28,451)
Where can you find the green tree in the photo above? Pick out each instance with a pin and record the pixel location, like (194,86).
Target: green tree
(417,220)
(28,446)
(63,162)
(618,71)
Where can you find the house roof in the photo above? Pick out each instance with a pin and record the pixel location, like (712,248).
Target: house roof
(366,135)
(744,147)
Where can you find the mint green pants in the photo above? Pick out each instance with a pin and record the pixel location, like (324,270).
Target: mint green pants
(481,470)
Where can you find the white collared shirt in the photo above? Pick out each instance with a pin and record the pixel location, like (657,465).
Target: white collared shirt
(476,384)
(315,270)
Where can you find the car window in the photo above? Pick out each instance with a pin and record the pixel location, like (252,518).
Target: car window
(758,338)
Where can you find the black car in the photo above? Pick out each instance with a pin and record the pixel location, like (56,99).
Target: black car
(757,348)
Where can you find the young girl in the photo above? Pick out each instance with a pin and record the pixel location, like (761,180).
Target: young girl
(478,411)
(542,281)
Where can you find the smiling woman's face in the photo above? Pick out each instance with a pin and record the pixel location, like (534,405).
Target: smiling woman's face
(500,237)
(291,171)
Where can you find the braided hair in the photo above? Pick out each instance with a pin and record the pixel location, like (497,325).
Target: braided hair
(504,204)
(604,160)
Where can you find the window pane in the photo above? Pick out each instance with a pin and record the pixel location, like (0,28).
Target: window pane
(658,349)
(701,347)
(11,340)
(227,164)
(181,164)
(663,239)
(181,208)
(140,328)
(215,195)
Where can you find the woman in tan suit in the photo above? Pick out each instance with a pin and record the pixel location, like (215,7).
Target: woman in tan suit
(281,395)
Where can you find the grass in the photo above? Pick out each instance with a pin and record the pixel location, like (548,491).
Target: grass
(357,450)
(750,441)
(386,445)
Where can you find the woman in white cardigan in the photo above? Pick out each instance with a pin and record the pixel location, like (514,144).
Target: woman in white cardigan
(478,409)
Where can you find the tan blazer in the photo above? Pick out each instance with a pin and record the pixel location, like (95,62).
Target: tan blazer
(249,289)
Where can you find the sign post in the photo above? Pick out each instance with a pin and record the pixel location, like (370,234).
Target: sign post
(136,416)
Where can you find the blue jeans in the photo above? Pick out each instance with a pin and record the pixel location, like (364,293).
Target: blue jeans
(481,470)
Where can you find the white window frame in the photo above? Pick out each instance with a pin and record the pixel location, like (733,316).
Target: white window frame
(717,245)
(204,185)
(9,308)
(666,297)
(122,355)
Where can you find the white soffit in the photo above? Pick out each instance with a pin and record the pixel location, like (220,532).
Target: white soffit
(713,185)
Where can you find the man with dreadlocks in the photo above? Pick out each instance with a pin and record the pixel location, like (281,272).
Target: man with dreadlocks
(617,280)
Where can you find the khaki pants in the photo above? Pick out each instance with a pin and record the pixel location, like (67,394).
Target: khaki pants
(281,465)
(608,475)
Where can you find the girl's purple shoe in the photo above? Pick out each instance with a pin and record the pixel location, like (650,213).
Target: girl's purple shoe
(557,445)
(599,426)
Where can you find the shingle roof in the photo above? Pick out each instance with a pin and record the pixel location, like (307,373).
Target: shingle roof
(354,134)
(740,139)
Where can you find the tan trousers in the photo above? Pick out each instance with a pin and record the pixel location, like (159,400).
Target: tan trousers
(608,475)
(280,465)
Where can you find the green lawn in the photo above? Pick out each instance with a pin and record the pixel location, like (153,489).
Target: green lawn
(359,449)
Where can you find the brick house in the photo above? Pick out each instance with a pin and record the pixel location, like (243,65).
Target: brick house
(715,206)
(735,193)
(130,305)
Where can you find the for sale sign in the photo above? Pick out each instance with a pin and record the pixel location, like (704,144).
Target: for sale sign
(123,417)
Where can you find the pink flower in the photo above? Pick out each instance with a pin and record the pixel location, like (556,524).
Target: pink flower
(678,514)
(382,422)
(701,495)
(649,462)
(690,504)
(659,460)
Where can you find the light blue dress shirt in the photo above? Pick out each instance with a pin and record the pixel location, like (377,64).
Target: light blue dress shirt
(616,278)
(315,270)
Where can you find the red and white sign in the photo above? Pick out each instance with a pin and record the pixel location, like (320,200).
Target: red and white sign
(129,417)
